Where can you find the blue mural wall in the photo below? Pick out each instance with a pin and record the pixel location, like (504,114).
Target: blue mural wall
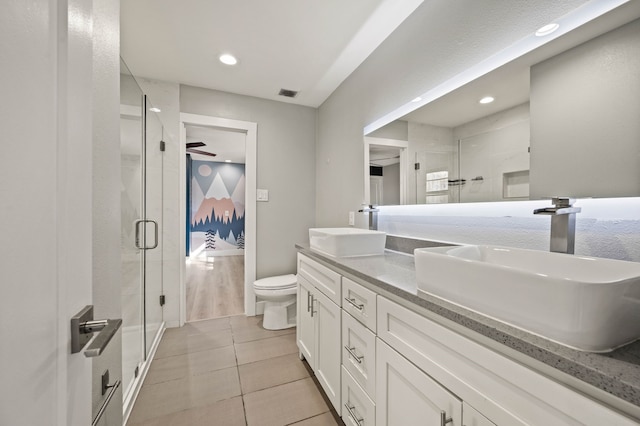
(216,204)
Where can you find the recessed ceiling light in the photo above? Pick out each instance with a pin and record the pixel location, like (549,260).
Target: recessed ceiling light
(227,161)
(228,59)
(418,99)
(547,29)
(154,109)
(487,100)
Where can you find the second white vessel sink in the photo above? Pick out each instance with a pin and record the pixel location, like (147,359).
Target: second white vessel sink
(345,242)
(589,304)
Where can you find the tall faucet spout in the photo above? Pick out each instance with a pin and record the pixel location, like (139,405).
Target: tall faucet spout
(563,224)
(373,216)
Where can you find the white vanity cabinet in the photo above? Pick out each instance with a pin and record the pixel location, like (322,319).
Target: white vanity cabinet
(318,331)
(388,362)
(499,389)
(407,396)
(472,417)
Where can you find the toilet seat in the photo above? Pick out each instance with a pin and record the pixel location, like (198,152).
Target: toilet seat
(282,282)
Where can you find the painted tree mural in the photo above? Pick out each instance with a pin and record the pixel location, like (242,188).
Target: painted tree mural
(217,205)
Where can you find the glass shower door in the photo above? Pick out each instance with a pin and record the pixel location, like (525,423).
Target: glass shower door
(153,185)
(131,210)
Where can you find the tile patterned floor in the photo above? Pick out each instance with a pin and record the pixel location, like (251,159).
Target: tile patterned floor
(230,372)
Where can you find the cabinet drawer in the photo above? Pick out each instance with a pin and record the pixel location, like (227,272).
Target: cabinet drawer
(323,278)
(471,417)
(357,408)
(360,302)
(359,353)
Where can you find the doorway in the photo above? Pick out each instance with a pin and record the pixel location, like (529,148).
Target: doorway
(216,186)
(217,247)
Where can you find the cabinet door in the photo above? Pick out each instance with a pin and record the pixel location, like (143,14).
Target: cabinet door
(471,417)
(305,333)
(328,350)
(406,396)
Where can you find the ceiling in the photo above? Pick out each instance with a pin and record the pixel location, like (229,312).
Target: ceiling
(308,46)
(226,144)
(509,84)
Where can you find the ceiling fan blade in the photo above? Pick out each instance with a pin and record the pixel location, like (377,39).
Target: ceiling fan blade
(197,151)
(195,144)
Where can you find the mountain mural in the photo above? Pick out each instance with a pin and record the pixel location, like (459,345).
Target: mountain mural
(218,204)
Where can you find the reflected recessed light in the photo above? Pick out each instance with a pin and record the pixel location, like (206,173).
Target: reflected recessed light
(487,100)
(547,29)
(227,161)
(418,99)
(154,109)
(228,59)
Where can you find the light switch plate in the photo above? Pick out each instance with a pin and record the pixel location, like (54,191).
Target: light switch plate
(352,218)
(262,194)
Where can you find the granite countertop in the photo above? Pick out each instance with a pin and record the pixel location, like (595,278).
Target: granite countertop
(617,373)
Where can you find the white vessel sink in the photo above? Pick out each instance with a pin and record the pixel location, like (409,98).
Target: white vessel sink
(589,304)
(344,242)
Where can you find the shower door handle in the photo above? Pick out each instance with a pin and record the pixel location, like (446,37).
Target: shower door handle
(137,225)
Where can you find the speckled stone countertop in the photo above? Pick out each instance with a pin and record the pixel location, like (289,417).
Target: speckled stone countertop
(616,373)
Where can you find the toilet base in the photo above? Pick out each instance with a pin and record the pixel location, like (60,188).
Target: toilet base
(279,315)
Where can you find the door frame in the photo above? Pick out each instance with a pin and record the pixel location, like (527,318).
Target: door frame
(403,147)
(251,140)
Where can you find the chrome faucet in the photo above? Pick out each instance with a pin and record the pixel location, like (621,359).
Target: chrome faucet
(563,224)
(373,215)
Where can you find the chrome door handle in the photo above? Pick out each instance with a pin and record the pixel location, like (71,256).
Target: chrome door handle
(352,414)
(354,304)
(82,328)
(137,226)
(353,354)
(443,418)
(313,300)
(308,302)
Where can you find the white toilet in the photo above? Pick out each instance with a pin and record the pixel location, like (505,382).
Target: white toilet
(279,296)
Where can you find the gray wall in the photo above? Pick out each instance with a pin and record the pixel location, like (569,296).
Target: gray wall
(286,167)
(391,185)
(430,47)
(585,119)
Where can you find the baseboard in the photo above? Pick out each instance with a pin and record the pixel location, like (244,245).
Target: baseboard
(130,398)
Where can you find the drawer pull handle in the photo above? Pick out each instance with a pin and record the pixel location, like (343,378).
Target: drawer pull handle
(313,300)
(353,354)
(352,414)
(354,304)
(443,418)
(308,302)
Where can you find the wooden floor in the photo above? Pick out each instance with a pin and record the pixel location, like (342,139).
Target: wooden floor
(215,287)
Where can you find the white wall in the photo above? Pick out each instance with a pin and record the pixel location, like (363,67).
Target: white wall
(430,47)
(490,147)
(107,263)
(585,109)
(286,137)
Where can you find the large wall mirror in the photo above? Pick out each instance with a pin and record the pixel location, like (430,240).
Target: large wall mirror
(564,121)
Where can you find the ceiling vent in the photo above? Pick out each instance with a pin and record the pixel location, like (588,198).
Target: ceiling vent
(288,93)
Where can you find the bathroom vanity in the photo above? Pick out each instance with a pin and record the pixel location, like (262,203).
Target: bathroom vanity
(386,354)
